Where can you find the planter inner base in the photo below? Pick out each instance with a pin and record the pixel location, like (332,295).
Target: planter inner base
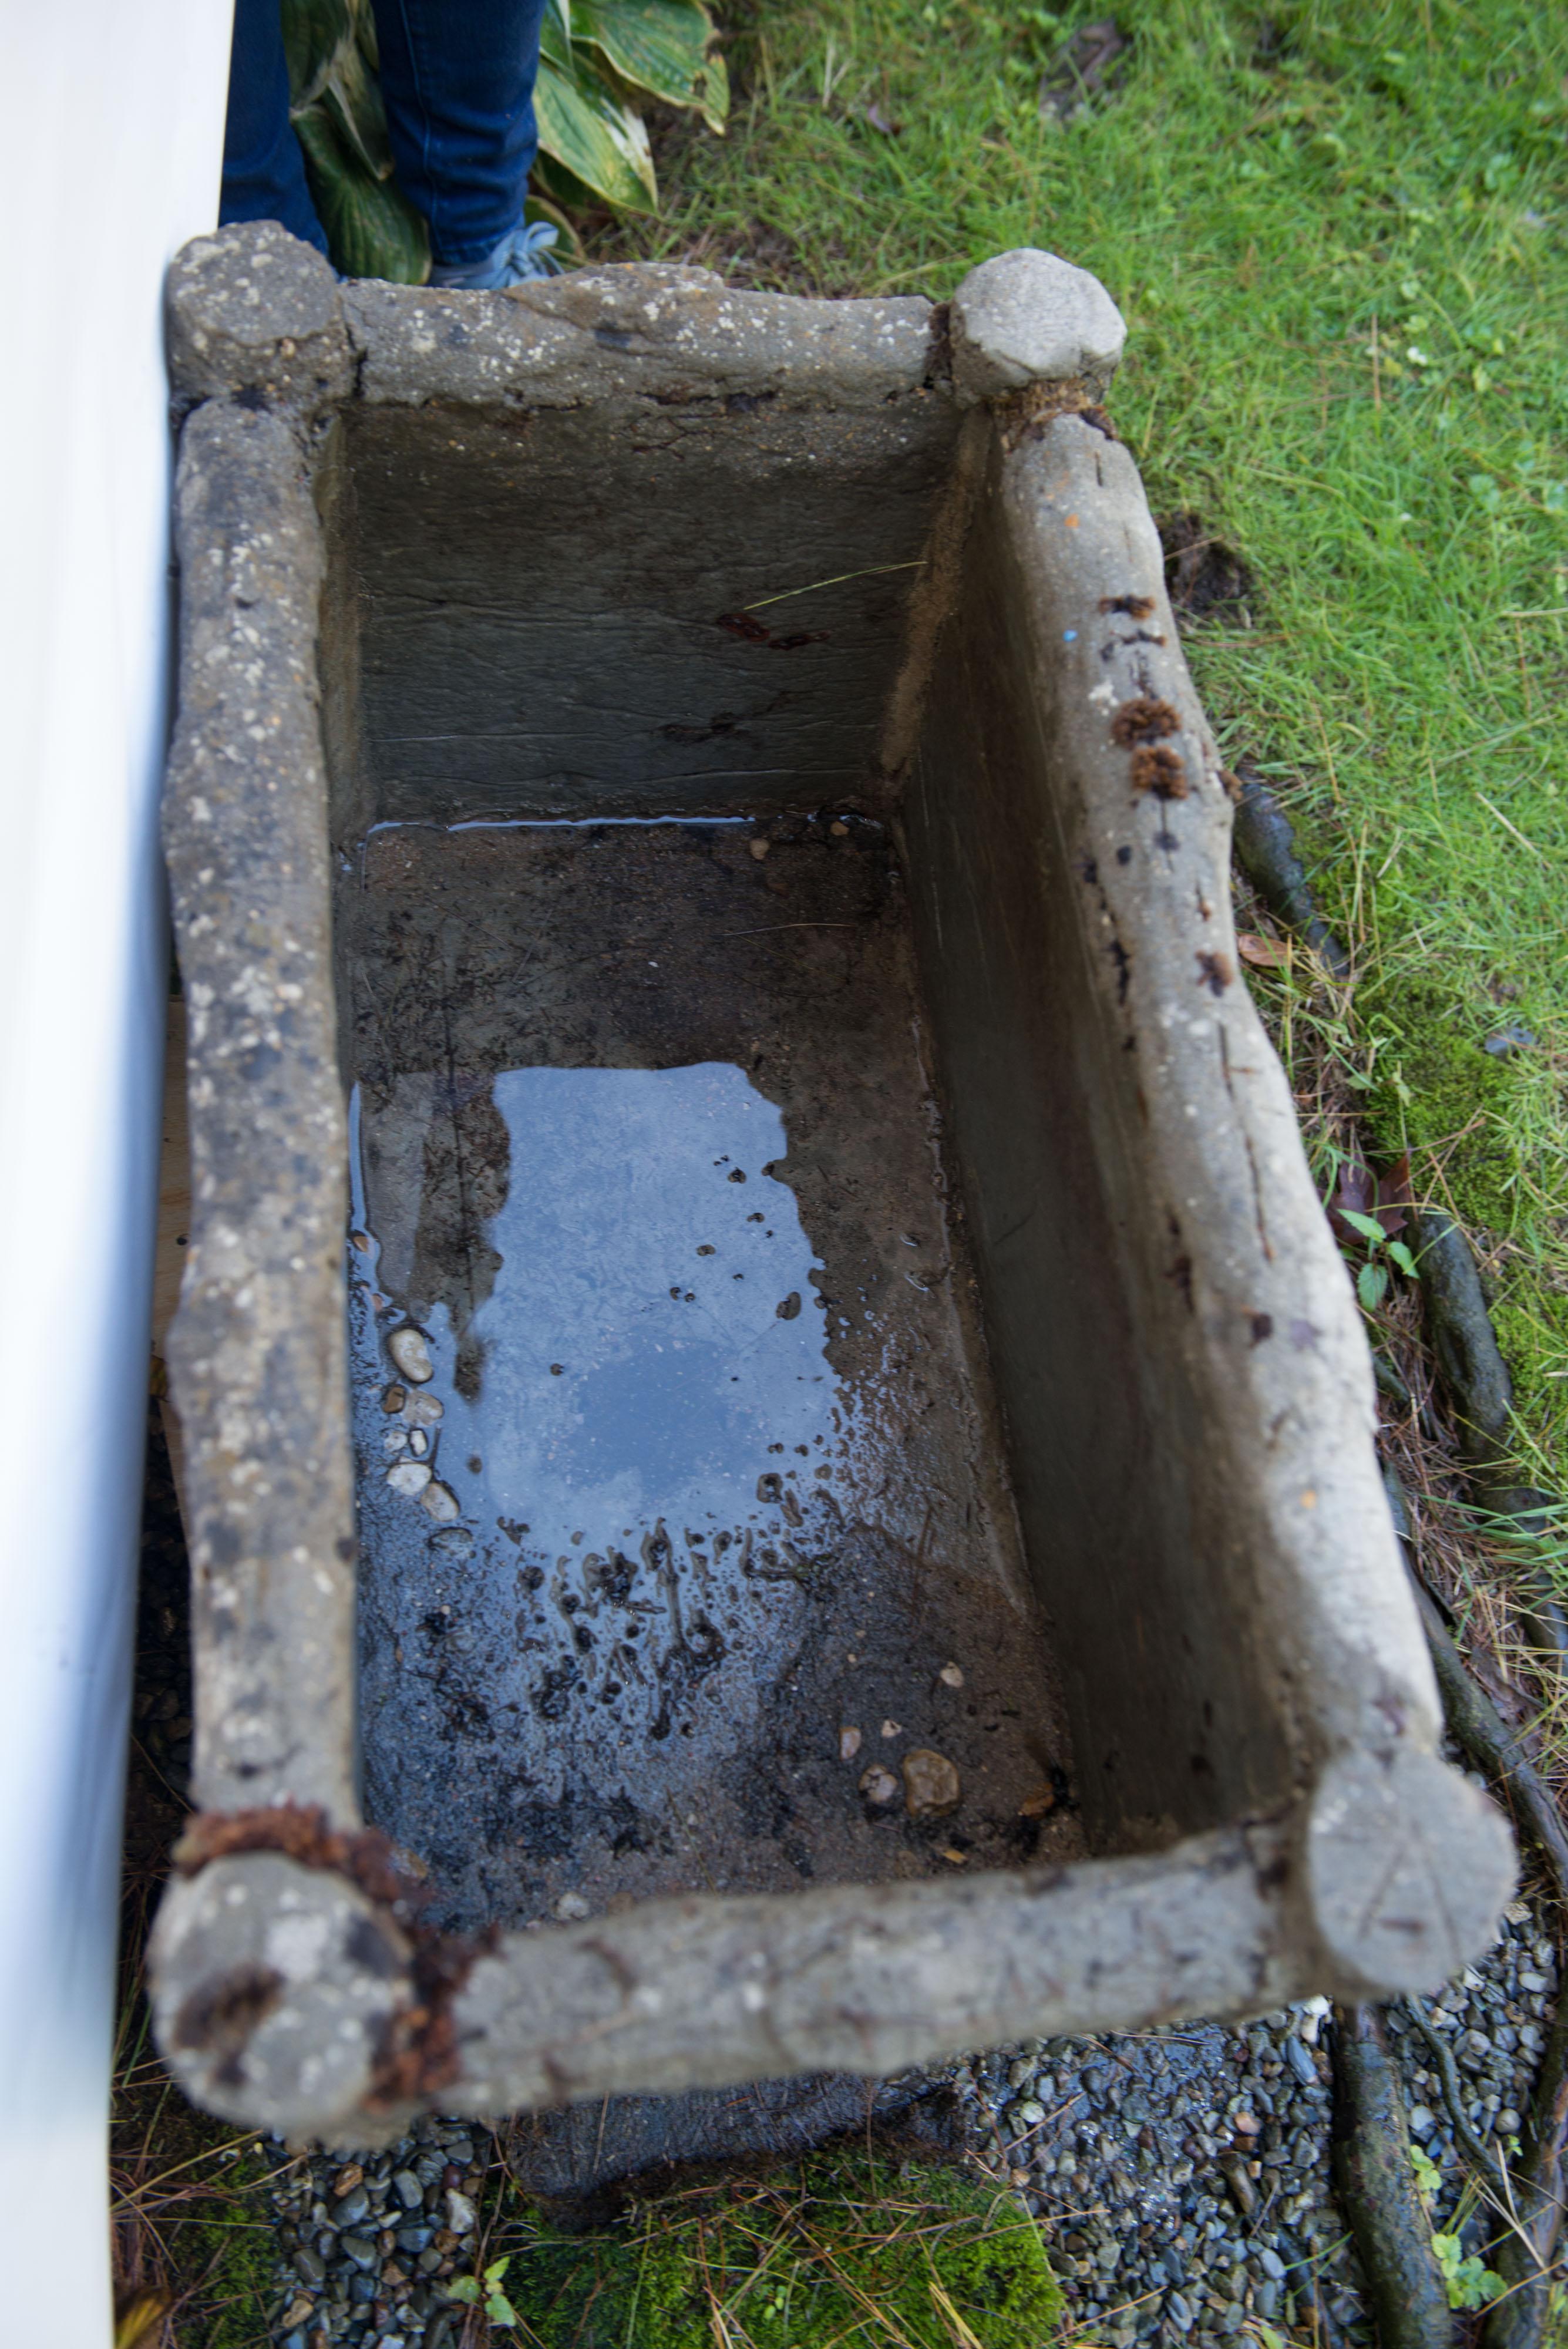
(648,1155)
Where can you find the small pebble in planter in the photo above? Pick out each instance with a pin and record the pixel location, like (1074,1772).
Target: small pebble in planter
(410,1349)
(931,1785)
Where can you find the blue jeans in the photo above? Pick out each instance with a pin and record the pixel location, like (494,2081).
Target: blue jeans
(457,76)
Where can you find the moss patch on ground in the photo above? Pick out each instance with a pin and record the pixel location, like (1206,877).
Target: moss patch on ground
(1339,231)
(843,2247)
(227,2253)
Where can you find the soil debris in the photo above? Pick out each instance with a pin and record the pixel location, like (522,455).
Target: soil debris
(1203,577)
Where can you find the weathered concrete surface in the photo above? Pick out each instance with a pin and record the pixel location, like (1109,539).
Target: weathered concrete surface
(1186,1378)
(677,1994)
(644,331)
(257,1352)
(646,1710)
(1031,317)
(702,1992)
(252,311)
(1175,1340)
(680,609)
(276,1989)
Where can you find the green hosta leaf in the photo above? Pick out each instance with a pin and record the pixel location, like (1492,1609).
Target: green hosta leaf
(712,96)
(313,33)
(464,2288)
(371,227)
(555,36)
(352,96)
(1368,1226)
(1403,1258)
(600,141)
(661,47)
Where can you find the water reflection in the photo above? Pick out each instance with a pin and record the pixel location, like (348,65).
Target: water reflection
(651,1342)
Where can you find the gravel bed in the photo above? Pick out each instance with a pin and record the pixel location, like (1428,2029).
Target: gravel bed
(1182,2176)
(369,2244)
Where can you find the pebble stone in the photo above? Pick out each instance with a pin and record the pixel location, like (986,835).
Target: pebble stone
(931,1785)
(411,1354)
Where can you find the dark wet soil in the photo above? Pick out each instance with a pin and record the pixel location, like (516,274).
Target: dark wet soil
(700,1513)
(1204,578)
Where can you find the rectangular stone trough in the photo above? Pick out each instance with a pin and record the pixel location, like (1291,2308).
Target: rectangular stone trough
(779,1457)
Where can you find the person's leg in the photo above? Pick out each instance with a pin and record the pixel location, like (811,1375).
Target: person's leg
(263,170)
(457,80)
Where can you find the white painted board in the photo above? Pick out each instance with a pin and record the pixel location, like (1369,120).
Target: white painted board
(114,129)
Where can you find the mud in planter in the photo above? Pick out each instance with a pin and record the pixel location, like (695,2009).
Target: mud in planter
(692,1563)
(827,1513)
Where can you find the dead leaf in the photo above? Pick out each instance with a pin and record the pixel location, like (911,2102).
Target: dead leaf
(879,121)
(1264,953)
(1037,1805)
(1361,1191)
(1393,1198)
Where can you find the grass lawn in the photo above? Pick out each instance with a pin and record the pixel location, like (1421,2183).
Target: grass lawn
(1339,233)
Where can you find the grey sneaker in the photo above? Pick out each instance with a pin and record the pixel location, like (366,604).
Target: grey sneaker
(522,252)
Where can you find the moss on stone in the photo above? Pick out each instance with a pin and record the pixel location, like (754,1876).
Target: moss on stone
(841,2245)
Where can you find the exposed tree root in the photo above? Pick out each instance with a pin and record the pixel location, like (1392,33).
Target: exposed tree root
(1377,2187)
